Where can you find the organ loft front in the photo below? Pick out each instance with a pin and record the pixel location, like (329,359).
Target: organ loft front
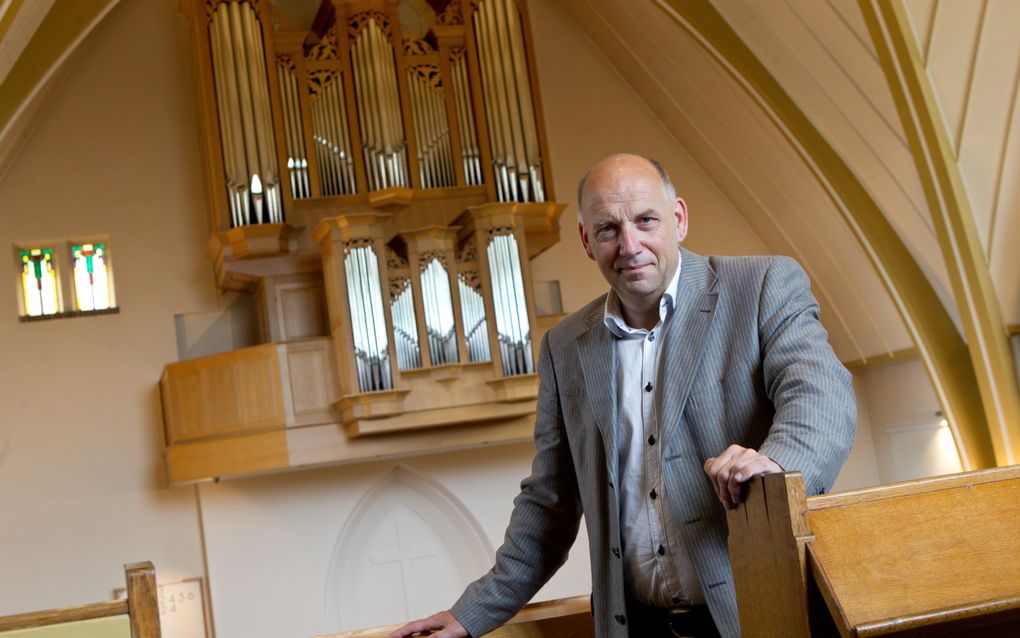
(379,182)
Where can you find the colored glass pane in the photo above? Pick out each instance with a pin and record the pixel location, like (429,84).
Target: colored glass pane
(39,282)
(91,277)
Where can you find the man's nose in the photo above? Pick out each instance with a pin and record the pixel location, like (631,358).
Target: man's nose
(629,244)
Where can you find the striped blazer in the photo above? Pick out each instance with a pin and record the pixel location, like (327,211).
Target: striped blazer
(745,361)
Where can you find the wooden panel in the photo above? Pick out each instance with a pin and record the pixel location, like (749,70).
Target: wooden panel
(225,393)
(918,552)
(302,309)
(311,382)
(234,456)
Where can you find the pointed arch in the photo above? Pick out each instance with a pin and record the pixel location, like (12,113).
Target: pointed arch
(408,548)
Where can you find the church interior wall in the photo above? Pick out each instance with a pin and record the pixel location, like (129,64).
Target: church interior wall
(82,481)
(116,153)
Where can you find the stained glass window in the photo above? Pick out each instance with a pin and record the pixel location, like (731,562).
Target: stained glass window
(39,282)
(91,277)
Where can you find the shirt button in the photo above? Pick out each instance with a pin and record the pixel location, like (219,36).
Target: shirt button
(648,387)
(661,550)
(651,336)
(653,494)
(620,618)
(651,439)
(616,552)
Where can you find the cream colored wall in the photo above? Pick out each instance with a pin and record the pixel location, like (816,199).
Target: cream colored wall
(591,112)
(81,485)
(904,416)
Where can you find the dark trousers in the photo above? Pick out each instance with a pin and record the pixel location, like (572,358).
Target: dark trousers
(655,622)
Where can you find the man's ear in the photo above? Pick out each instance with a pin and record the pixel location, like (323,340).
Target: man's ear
(584,240)
(680,210)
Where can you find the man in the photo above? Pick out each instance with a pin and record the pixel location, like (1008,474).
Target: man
(657,402)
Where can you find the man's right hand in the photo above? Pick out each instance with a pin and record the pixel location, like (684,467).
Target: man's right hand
(443,624)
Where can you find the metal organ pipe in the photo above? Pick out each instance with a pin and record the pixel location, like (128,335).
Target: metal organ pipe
(332,139)
(509,107)
(297,164)
(432,132)
(245,114)
(368,323)
(512,324)
(470,154)
(405,326)
(438,305)
(379,108)
(472,306)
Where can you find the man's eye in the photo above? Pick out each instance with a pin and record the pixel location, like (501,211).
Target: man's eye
(647,219)
(605,232)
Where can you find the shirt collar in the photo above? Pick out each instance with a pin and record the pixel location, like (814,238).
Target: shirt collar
(613,314)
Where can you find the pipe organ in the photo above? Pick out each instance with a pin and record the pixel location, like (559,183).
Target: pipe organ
(413,199)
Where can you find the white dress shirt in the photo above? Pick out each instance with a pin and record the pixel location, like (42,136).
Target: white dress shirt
(657,568)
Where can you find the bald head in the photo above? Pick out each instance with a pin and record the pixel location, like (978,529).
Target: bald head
(631,225)
(624,161)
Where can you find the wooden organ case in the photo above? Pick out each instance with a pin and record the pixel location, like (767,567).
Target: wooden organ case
(381,194)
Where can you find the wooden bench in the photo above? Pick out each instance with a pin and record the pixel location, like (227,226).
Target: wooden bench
(136,617)
(932,557)
(563,618)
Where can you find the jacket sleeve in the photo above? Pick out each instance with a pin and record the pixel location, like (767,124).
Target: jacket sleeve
(543,525)
(815,411)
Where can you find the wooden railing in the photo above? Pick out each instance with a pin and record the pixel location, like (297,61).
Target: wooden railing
(136,617)
(563,618)
(938,556)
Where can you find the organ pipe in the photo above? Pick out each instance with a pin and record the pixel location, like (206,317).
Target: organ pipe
(379,115)
(405,325)
(368,324)
(438,305)
(472,307)
(470,154)
(243,108)
(297,163)
(332,140)
(432,132)
(509,110)
(512,324)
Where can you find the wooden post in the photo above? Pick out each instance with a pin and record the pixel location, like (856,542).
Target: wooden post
(143,601)
(768,535)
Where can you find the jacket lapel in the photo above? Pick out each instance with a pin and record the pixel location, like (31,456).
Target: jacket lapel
(685,341)
(597,354)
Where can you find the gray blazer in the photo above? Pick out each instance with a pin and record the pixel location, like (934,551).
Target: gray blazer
(745,361)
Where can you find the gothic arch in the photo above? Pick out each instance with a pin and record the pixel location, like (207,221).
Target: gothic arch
(407,550)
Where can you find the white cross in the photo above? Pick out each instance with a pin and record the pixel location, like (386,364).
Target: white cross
(404,556)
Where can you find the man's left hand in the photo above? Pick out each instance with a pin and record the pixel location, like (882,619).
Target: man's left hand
(731,469)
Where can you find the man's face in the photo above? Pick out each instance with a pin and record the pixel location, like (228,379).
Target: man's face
(632,230)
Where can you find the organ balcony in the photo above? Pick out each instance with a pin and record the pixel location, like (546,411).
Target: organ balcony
(380,189)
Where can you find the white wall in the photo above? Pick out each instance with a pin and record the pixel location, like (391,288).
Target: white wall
(81,486)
